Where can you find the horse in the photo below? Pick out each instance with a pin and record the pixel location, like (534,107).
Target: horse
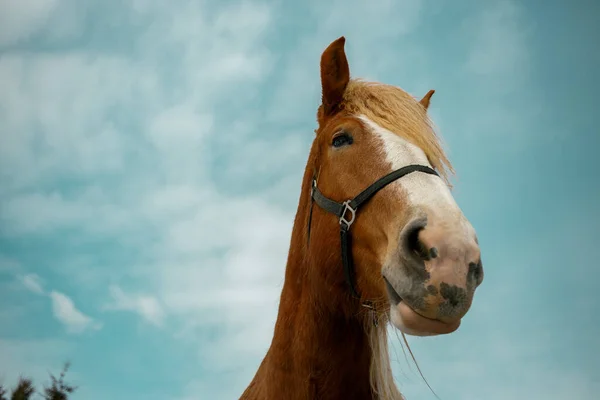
(377,240)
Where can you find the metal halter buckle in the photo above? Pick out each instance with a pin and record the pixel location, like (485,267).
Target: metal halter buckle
(343,219)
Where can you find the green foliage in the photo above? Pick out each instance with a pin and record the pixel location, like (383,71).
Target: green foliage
(59,390)
(24,390)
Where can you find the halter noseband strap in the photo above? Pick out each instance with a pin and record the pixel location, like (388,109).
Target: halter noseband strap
(346,212)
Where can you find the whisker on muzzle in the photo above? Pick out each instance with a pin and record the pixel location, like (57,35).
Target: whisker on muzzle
(417,365)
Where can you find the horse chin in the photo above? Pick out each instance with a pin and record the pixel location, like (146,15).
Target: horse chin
(405,319)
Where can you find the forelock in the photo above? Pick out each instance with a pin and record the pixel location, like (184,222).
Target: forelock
(400,113)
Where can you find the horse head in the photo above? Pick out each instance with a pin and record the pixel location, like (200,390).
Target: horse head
(412,251)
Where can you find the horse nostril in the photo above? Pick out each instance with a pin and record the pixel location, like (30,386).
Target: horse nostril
(416,246)
(475,271)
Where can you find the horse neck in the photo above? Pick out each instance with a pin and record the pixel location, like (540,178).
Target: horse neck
(317,351)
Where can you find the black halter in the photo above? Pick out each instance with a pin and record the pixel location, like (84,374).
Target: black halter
(346,212)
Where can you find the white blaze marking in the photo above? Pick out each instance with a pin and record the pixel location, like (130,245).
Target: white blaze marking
(422,189)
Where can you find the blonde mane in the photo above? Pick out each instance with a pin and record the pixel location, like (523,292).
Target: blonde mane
(397,111)
(381,375)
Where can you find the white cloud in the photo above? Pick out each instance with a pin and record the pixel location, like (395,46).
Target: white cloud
(165,185)
(499,46)
(81,98)
(75,321)
(63,307)
(245,281)
(66,94)
(146,306)
(179,135)
(33,282)
(90,209)
(20,19)
(37,212)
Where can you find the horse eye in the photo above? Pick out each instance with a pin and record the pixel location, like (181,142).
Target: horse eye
(342,140)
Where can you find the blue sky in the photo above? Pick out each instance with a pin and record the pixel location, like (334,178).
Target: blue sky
(132,134)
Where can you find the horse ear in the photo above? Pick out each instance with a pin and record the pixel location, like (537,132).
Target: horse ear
(425,100)
(335,75)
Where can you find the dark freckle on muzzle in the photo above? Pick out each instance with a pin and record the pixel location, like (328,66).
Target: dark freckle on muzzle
(456,299)
(432,290)
(453,293)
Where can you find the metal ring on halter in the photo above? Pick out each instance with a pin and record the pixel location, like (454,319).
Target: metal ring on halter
(343,219)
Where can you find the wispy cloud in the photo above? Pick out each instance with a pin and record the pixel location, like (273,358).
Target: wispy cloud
(146,306)
(64,310)
(33,282)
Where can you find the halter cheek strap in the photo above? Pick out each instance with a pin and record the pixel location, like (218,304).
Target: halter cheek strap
(346,213)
